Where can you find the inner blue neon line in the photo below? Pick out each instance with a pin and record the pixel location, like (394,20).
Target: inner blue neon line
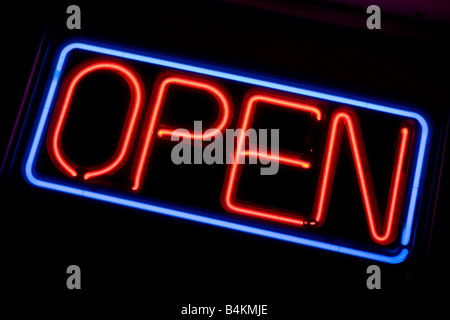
(217,222)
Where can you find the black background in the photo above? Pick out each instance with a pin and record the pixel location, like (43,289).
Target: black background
(154,265)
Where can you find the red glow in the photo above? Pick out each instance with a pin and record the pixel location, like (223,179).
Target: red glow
(382,233)
(160,92)
(282,159)
(382,227)
(234,170)
(72,80)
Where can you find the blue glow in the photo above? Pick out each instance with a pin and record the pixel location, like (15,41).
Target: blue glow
(235,76)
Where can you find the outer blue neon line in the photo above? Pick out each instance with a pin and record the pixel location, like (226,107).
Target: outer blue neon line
(216,222)
(212,221)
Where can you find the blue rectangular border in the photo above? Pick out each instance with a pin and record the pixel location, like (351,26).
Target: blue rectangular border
(244,77)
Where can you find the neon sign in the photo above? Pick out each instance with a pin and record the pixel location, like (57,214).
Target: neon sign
(390,231)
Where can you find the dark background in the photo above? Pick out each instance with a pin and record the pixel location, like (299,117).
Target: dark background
(154,265)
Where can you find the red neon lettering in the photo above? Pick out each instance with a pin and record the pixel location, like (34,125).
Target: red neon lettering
(383,229)
(380,233)
(234,171)
(160,92)
(54,144)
